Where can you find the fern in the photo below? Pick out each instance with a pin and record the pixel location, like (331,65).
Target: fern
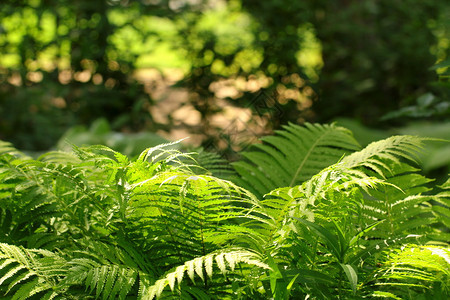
(110,281)
(203,267)
(370,189)
(401,205)
(391,149)
(186,215)
(292,156)
(415,270)
(211,163)
(334,222)
(25,273)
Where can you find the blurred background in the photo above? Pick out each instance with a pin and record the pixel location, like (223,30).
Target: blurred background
(134,73)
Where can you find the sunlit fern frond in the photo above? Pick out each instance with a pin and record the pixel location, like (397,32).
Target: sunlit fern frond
(25,273)
(106,270)
(415,271)
(25,200)
(292,156)
(202,267)
(177,216)
(336,197)
(105,280)
(393,149)
(401,205)
(335,193)
(168,154)
(378,170)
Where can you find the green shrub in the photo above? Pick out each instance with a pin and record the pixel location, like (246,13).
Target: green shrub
(325,220)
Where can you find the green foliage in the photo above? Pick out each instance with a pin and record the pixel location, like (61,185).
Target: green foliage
(420,269)
(96,224)
(292,156)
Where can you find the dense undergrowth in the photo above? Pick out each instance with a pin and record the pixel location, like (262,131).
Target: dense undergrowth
(306,214)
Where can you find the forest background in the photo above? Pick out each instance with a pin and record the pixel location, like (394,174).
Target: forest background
(131,74)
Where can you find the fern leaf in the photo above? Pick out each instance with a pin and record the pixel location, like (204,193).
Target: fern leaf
(209,266)
(292,156)
(214,164)
(189,215)
(107,280)
(14,271)
(402,207)
(226,259)
(28,272)
(28,289)
(112,276)
(414,269)
(190,269)
(390,149)
(220,260)
(124,283)
(179,271)
(198,267)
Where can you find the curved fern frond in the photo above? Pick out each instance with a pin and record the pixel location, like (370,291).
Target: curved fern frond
(401,205)
(335,193)
(376,155)
(202,267)
(346,199)
(416,270)
(178,216)
(292,156)
(108,281)
(24,272)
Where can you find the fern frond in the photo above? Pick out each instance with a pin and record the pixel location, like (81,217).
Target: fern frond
(213,164)
(415,269)
(225,261)
(401,204)
(108,271)
(107,281)
(24,197)
(292,156)
(24,272)
(392,149)
(333,194)
(178,216)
